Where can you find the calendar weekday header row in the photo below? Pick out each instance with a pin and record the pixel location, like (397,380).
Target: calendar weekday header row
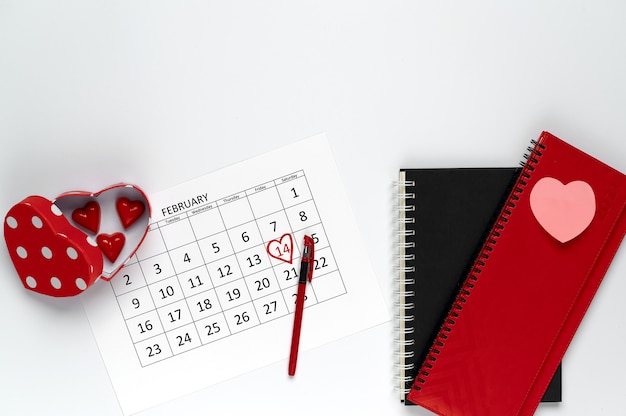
(200,203)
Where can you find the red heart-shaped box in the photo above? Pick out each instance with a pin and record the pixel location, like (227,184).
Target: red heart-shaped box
(57,256)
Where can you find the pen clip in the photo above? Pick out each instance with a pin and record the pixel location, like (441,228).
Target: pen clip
(309,256)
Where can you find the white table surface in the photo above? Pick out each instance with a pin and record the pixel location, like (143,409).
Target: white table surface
(158,92)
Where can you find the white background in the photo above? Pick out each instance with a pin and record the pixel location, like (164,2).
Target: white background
(158,92)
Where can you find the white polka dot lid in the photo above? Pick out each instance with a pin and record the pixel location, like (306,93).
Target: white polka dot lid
(55,282)
(72,253)
(80,283)
(12,222)
(46,252)
(36,221)
(56,210)
(21,252)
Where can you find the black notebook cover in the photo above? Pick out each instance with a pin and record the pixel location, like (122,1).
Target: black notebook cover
(444,217)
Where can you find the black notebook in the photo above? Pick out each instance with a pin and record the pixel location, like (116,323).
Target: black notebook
(444,215)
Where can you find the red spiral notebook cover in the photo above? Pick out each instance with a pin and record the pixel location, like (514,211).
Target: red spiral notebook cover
(530,286)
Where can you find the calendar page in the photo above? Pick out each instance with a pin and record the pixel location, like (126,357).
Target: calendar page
(218,272)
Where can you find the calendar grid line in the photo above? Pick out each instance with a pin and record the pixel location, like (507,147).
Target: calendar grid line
(151,298)
(282,208)
(257,227)
(331,251)
(161,321)
(128,330)
(204,265)
(231,244)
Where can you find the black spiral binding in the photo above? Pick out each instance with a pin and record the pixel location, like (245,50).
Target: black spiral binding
(405,268)
(531,159)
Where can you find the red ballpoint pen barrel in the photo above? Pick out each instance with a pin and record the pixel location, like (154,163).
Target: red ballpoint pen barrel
(306,273)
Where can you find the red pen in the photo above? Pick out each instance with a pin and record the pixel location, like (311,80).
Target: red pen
(306,273)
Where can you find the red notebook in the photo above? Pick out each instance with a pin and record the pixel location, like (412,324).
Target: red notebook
(530,286)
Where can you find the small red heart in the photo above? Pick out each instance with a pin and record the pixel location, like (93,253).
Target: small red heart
(111,245)
(129,211)
(88,216)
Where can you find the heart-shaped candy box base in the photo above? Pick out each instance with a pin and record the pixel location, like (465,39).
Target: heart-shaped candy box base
(60,248)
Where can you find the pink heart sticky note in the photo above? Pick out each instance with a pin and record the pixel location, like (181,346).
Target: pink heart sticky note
(564,211)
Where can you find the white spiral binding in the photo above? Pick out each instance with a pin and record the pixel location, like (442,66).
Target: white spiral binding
(404,268)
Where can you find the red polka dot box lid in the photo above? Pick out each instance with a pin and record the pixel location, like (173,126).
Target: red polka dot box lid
(61,247)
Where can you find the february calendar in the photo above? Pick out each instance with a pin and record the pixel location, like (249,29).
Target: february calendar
(218,271)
